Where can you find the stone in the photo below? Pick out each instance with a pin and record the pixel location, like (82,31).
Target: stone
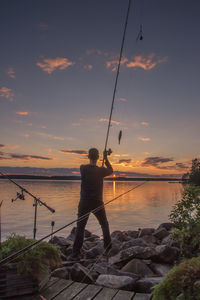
(95,251)
(60,241)
(116,282)
(61,273)
(145,284)
(104,268)
(80,273)
(120,236)
(133,252)
(88,245)
(168,226)
(161,233)
(160,269)
(133,242)
(137,266)
(150,240)
(168,240)
(133,234)
(166,254)
(146,231)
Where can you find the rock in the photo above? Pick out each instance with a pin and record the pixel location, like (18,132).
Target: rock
(88,245)
(160,269)
(161,233)
(116,282)
(133,252)
(120,236)
(168,240)
(168,226)
(95,251)
(80,273)
(93,238)
(133,234)
(68,251)
(60,241)
(61,273)
(133,242)
(146,231)
(104,268)
(137,266)
(87,234)
(166,254)
(150,240)
(144,285)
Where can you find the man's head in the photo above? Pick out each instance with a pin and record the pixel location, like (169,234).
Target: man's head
(93,154)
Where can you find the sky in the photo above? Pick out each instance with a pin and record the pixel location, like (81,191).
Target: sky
(58,64)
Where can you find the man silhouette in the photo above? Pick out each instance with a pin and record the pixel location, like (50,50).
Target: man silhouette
(90,198)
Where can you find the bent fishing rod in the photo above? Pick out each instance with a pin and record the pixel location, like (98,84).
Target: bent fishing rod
(16,254)
(116,82)
(36,201)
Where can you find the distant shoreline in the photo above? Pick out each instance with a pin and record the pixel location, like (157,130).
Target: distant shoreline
(34,177)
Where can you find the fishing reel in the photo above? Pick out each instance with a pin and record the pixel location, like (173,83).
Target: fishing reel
(20,196)
(108,152)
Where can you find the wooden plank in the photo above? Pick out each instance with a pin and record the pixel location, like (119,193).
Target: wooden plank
(71,291)
(106,294)
(142,297)
(51,282)
(122,295)
(89,292)
(55,288)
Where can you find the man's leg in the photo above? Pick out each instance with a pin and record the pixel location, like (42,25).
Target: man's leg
(101,216)
(79,237)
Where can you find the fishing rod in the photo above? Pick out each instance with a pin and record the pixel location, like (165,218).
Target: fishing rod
(116,81)
(16,254)
(35,204)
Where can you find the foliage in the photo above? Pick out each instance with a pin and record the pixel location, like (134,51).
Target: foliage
(34,260)
(186,217)
(181,283)
(194,175)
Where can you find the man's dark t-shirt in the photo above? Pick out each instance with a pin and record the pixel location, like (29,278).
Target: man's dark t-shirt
(92,183)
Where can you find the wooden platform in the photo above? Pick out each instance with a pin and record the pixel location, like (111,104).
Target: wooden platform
(60,289)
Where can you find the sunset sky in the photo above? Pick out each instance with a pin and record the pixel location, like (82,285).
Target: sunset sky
(57,72)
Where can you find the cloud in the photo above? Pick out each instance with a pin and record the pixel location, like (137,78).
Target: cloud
(24,157)
(88,67)
(122,100)
(6,93)
(22,113)
(51,64)
(81,152)
(144,139)
(2,146)
(11,73)
(26,135)
(146,124)
(97,52)
(9,146)
(145,62)
(54,137)
(126,161)
(155,161)
(113,64)
(112,121)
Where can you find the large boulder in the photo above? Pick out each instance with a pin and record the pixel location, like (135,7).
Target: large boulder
(168,226)
(133,252)
(160,269)
(161,233)
(104,268)
(80,273)
(146,231)
(60,241)
(166,254)
(120,236)
(150,240)
(144,285)
(133,242)
(95,251)
(61,273)
(116,282)
(132,234)
(137,266)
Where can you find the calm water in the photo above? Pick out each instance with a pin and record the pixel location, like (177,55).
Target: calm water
(146,206)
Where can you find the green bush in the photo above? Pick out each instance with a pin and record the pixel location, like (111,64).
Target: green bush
(181,283)
(35,259)
(186,217)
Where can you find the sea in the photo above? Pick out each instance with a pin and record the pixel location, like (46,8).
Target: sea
(145,206)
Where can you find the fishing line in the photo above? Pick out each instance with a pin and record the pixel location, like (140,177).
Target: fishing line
(21,251)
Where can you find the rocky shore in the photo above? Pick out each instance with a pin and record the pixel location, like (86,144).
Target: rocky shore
(138,260)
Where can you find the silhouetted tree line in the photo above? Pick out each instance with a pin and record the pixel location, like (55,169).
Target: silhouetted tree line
(194,175)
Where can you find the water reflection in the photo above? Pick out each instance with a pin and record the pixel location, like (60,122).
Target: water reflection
(147,205)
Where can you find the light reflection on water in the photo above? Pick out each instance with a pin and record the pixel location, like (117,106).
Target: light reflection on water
(146,206)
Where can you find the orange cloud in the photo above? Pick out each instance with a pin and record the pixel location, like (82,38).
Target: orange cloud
(60,138)
(112,121)
(51,64)
(122,100)
(6,93)
(88,67)
(114,63)
(11,73)
(22,113)
(147,62)
(144,139)
(145,124)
